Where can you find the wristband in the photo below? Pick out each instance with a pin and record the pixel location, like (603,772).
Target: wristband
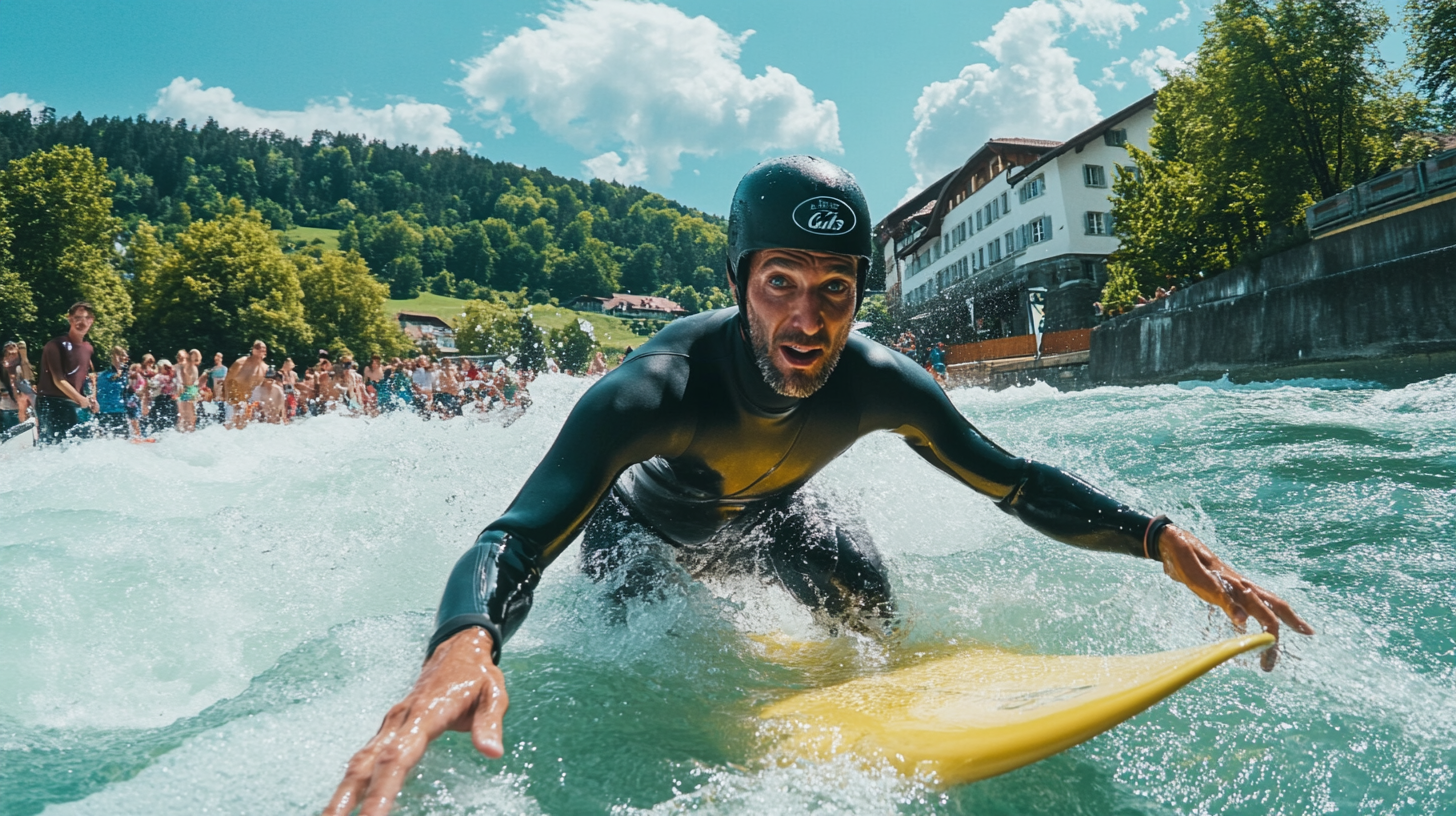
(1150,537)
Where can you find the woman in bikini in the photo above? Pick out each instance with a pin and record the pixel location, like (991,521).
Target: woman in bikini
(187,375)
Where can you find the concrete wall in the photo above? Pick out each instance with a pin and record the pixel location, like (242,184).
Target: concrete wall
(1376,301)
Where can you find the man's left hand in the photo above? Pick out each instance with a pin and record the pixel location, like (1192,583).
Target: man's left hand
(1191,563)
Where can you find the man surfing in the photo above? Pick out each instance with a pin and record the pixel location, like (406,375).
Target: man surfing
(704,439)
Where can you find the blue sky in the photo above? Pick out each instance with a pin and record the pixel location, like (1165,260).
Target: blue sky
(672,96)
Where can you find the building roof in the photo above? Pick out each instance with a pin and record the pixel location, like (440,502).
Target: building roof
(421,318)
(933,202)
(1019,140)
(1081,139)
(645,303)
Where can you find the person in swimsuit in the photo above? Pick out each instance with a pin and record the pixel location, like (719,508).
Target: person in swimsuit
(698,449)
(288,378)
(187,378)
(598,365)
(402,386)
(373,384)
(447,397)
(423,380)
(136,384)
(10,395)
(269,402)
(349,385)
(307,393)
(164,389)
(327,394)
(244,375)
(215,376)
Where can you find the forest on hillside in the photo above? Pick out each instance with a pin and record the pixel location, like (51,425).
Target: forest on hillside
(179,235)
(444,221)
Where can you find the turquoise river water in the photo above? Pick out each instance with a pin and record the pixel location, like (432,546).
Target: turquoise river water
(214,623)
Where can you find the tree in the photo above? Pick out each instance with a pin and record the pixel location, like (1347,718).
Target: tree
(518,266)
(684,296)
(56,208)
(487,327)
(435,250)
(572,347)
(882,325)
(588,271)
(532,355)
(343,305)
(1433,51)
(473,257)
(1174,224)
(640,273)
(392,250)
(1287,103)
(224,284)
(442,284)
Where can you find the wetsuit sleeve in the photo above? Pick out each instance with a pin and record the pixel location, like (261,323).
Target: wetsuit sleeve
(1051,501)
(630,415)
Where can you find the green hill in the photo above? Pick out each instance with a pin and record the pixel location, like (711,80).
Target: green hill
(423,220)
(614,334)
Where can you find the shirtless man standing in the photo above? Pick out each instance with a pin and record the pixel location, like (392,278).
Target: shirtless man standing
(326,394)
(271,401)
(244,375)
(350,385)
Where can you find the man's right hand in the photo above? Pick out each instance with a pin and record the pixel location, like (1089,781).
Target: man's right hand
(459,689)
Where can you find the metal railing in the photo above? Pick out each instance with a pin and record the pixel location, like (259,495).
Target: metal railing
(1432,177)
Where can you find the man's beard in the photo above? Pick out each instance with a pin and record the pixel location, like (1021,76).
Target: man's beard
(797,384)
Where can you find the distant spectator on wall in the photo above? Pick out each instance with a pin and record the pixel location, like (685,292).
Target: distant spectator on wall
(937,359)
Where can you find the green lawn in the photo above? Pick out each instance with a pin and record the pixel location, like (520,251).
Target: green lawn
(437,305)
(304,236)
(612,333)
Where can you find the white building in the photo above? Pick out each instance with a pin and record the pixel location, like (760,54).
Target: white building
(1019,215)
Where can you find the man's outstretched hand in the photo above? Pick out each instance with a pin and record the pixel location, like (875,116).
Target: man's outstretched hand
(1190,562)
(459,689)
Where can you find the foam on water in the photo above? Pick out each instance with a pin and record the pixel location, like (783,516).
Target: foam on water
(215,622)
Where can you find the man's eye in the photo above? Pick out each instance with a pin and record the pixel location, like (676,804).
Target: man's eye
(778,280)
(836,286)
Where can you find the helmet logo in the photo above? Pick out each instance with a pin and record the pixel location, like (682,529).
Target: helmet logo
(823,215)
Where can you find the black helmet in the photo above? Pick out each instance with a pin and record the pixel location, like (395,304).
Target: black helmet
(798,202)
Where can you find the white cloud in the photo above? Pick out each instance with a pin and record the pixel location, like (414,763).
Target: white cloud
(1151,62)
(647,84)
(1109,76)
(406,122)
(16,102)
(1176,18)
(1103,18)
(1032,92)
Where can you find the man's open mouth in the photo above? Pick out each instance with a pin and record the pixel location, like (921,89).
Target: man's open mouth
(801,356)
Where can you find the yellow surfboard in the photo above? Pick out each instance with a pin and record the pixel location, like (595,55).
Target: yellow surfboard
(985,711)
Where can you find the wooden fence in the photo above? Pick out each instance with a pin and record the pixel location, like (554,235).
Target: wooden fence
(1063,342)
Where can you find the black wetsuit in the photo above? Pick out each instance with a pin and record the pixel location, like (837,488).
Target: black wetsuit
(693,444)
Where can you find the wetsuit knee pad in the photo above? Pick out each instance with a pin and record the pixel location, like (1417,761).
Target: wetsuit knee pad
(826,564)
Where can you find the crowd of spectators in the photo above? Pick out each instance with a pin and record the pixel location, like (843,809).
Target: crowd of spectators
(73,398)
(929,356)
